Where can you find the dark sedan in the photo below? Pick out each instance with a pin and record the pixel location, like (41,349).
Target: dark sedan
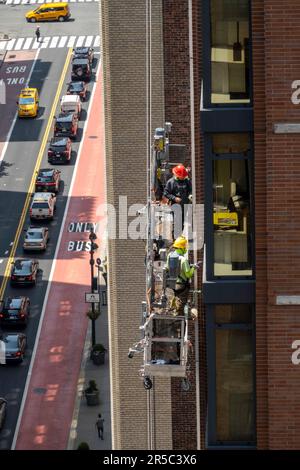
(15,345)
(24,271)
(84,53)
(60,150)
(15,311)
(66,125)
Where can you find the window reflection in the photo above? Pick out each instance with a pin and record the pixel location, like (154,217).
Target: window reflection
(230,51)
(231,218)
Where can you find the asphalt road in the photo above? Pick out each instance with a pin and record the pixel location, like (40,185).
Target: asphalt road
(15,176)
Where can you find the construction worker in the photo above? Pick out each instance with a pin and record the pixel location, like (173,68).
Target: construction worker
(182,273)
(178,190)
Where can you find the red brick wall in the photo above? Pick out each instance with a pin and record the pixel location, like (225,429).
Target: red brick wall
(177,110)
(277,221)
(258,58)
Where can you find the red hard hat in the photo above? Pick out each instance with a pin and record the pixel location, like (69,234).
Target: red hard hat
(180,172)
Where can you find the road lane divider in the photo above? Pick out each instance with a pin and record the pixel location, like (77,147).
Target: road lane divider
(36,168)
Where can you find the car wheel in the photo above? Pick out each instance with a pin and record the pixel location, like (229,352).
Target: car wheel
(32,20)
(61,19)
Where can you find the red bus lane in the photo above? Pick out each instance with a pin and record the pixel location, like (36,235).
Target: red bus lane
(14,73)
(52,388)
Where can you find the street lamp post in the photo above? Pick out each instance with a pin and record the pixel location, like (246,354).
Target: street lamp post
(94,246)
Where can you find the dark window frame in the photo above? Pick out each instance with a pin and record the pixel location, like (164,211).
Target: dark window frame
(208,208)
(211,328)
(206,61)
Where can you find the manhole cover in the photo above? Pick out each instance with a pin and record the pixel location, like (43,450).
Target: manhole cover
(40,390)
(12,56)
(93,136)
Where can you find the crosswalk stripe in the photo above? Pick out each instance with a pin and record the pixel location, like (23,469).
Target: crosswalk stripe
(45,42)
(63,41)
(10,44)
(80,41)
(16,2)
(54,42)
(71,41)
(27,43)
(24,1)
(8,2)
(18,44)
(50,42)
(89,41)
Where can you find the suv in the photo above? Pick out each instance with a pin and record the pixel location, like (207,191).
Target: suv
(77,88)
(66,125)
(48,179)
(42,206)
(60,150)
(84,53)
(15,311)
(81,70)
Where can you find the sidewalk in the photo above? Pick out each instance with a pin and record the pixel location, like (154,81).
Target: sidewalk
(83,427)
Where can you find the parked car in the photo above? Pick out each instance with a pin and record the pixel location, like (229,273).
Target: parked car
(15,346)
(43,206)
(77,88)
(84,53)
(15,311)
(66,125)
(24,271)
(3,407)
(60,150)
(36,239)
(70,104)
(81,70)
(48,179)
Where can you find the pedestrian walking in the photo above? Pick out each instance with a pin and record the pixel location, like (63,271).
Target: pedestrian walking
(38,33)
(100,426)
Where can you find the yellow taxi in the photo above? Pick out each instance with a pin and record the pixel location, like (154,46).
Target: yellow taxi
(28,102)
(58,11)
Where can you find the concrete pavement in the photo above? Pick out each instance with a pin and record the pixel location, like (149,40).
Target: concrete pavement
(83,427)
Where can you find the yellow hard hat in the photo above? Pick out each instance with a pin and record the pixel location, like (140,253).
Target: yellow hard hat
(180,242)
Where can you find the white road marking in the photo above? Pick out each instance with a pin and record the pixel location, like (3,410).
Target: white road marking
(27,43)
(80,41)
(10,44)
(89,41)
(54,41)
(1,260)
(63,41)
(19,44)
(71,41)
(6,253)
(62,228)
(97,41)
(45,42)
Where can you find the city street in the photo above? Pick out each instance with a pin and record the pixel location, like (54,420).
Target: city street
(23,148)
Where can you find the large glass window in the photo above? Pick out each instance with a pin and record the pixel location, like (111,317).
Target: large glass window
(234,374)
(231,206)
(229,51)
(231,385)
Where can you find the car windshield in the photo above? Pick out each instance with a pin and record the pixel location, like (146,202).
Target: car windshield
(26,101)
(13,305)
(40,205)
(76,86)
(34,235)
(45,178)
(11,342)
(22,268)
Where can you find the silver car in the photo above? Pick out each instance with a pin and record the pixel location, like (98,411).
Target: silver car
(3,404)
(36,239)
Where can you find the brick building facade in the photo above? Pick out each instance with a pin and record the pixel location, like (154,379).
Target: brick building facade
(244,67)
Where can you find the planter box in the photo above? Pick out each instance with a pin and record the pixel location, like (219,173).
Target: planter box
(98,357)
(92,399)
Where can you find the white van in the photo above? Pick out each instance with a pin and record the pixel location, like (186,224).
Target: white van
(71,104)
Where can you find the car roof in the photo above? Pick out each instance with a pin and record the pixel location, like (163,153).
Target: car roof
(12,337)
(46,171)
(55,4)
(80,61)
(65,117)
(70,99)
(81,50)
(23,261)
(41,196)
(35,229)
(59,141)
(77,83)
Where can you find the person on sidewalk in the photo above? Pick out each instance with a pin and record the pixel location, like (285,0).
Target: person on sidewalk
(100,426)
(37,33)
